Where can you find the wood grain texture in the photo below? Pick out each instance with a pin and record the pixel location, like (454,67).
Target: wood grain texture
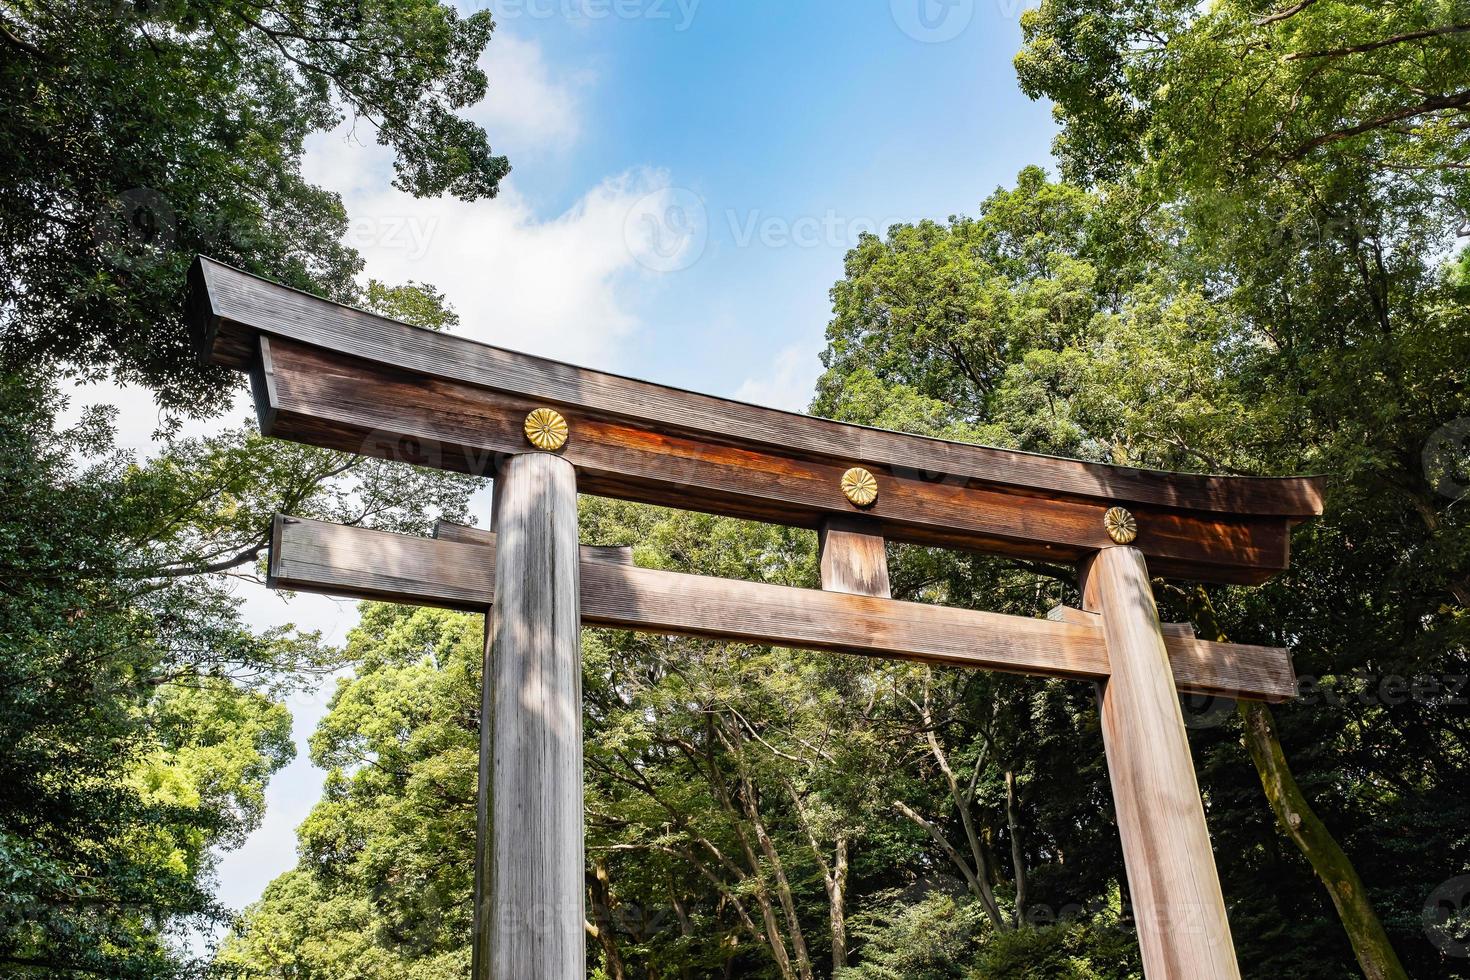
(1183,930)
(530,917)
(322,398)
(1067,614)
(229,309)
(450,531)
(853,558)
(315,556)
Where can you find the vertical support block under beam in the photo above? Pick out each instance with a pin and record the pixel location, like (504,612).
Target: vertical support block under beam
(852,557)
(1183,931)
(529,864)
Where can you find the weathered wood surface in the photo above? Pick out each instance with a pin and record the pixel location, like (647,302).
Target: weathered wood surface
(450,531)
(529,920)
(383,387)
(1173,886)
(316,556)
(320,397)
(853,559)
(1066,614)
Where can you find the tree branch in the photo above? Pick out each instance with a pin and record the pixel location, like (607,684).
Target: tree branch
(243,557)
(1382,43)
(16,41)
(1285,13)
(1457,101)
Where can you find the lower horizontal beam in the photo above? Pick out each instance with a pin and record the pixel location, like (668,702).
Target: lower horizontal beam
(454,572)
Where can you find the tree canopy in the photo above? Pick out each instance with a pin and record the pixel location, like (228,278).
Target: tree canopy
(140,133)
(1251,260)
(143,715)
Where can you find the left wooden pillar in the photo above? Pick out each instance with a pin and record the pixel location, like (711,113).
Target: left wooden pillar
(529,859)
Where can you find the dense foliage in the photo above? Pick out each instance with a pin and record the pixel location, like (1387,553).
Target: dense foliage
(142,716)
(1252,263)
(139,133)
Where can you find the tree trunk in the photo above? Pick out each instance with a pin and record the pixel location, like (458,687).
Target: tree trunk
(773,928)
(600,904)
(686,928)
(783,895)
(837,905)
(773,858)
(982,875)
(758,881)
(1018,856)
(978,887)
(1370,941)
(834,878)
(1371,945)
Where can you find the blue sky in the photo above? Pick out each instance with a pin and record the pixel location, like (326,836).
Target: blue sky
(688,177)
(795,125)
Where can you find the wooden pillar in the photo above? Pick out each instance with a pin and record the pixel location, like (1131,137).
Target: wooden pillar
(1175,889)
(529,863)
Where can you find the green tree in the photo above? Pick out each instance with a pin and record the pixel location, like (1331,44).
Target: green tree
(1315,155)
(138,706)
(1244,89)
(138,134)
(128,754)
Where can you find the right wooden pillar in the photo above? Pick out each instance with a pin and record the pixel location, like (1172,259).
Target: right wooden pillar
(1177,904)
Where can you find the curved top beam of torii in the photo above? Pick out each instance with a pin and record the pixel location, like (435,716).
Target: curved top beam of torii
(338,377)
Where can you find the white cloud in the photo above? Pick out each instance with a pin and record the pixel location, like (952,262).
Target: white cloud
(557,286)
(548,286)
(525,109)
(789,384)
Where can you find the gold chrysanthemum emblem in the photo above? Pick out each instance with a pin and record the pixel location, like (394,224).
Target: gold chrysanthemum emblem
(546,429)
(1122,526)
(860,486)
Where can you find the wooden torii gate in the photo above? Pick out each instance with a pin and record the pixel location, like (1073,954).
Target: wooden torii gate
(337,377)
